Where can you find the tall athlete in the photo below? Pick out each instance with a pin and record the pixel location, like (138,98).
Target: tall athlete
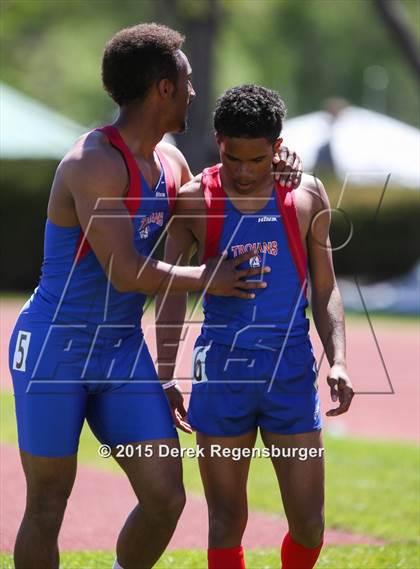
(77,351)
(253,363)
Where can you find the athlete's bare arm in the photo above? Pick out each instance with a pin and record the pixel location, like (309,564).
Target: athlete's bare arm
(327,306)
(89,190)
(180,245)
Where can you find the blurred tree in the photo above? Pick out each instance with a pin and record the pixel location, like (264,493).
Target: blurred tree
(53,50)
(396,19)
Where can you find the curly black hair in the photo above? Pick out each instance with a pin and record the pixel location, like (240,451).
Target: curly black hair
(249,111)
(135,58)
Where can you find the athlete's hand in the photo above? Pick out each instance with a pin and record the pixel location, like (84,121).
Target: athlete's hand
(341,389)
(179,413)
(287,168)
(223,277)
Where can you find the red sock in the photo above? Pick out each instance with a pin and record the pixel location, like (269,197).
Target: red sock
(296,556)
(226,558)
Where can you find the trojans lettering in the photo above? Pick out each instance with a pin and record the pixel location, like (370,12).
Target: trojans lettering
(155,217)
(270,247)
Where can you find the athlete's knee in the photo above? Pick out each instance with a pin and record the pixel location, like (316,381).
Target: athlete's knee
(49,494)
(308,532)
(166,504)
(47,505)
(175,503)
(227,520)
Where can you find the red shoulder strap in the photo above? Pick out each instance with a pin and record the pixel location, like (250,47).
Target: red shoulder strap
(132,201)
(287,208)
(214,197)
(169,179)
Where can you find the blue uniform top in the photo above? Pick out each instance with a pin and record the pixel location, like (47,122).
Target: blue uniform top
(278,312)
(73,287)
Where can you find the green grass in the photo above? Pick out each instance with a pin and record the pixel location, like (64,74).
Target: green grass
(372,487)
(359,557)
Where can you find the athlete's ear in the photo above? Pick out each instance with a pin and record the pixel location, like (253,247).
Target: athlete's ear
(165,88)
(277,145)
(218,138)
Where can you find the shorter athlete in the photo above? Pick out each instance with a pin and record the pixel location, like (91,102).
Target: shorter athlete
(253,363)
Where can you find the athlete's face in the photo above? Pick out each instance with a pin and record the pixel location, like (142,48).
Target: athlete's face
(247,162)
(183,94)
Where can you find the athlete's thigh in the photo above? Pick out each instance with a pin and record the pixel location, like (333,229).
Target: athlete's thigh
(130,406)
(225,477)
(300,475)
(50,398)
(49,480)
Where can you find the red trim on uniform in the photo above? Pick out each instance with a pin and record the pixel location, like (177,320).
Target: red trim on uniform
(133,198)
(169,179)
(286,205)
(214,197)
(82,247)
(132,201)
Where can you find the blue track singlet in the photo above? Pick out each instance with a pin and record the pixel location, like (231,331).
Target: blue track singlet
(253,364)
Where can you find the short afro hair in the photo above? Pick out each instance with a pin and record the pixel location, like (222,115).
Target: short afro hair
(249,111)
(136,58)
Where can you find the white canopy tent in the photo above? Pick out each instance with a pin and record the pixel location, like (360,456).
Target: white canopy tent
(29,129)
(365,146)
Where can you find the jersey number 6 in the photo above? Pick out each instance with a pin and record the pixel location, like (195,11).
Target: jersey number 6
(199,364)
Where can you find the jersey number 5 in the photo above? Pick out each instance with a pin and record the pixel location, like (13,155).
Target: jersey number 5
(21,350)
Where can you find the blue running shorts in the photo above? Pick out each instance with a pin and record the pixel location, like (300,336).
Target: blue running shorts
(237,390)
(64,374)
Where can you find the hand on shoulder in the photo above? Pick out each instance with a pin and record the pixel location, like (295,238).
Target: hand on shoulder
(312,194)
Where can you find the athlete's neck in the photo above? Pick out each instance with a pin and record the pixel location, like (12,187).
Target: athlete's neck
(140,128)
(251,200)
